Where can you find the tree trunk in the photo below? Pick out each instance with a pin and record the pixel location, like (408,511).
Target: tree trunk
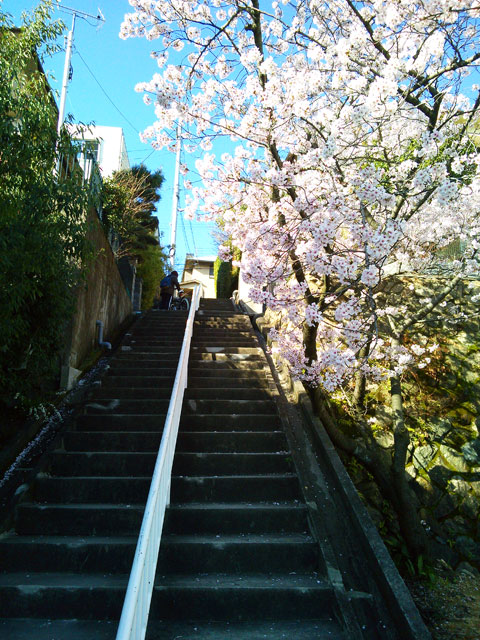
(360,381)
(409,520)
(390,479)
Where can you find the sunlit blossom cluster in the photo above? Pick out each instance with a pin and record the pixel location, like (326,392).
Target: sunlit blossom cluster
(336,155)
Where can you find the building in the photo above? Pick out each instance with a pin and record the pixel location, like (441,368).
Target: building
(199,271)
(106,146)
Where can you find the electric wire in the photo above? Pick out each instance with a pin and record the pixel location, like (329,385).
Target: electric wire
(114,105)
(107,96)
(185,234)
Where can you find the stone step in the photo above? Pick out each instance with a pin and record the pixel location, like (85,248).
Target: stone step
(136,353)
(216,303)
(225,518)
(149,368)
(103,406)
(206,326)
(227,321)
(88,554)
(166,334)
(147,441)
(251,373)
(192,405)
(46,629)
(128,405)
(193,422)
(221,343)
(168,324)
(196,367)
(102,463)
(224,441)
(221,336)
(172,339)
(208,312)
(83,519)
(230,422)
(217,350)
(178,554)
(138,382)
(91,489)
(129,441)
(159,317)
(240,598)
(110,392)
(217,354)
(246,488)
(204,464)
(123,422)
(108,463)
(151,346)
(156,332)
(267,553)
(205,393)
(279,629)
(255,382)
(61,595)
(134,490)
(100,597)
(144,358)
(201,334)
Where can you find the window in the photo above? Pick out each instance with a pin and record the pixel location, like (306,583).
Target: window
(210,271)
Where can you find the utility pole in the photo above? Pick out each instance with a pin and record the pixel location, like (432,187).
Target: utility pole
(66,76)
(176,197)
(68,58)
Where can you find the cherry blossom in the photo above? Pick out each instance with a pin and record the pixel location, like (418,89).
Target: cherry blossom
(336,144)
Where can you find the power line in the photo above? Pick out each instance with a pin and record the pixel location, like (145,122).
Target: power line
(185,234)
(108,97)
(193,238)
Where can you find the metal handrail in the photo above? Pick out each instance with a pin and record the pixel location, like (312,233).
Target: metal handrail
(136,606)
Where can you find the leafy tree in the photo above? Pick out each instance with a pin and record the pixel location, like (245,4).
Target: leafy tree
(354,165)
(153,265)
(129,202)
(226,278)
(42,212)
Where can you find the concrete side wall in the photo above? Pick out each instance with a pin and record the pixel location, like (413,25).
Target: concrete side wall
(359,551)
(102,297)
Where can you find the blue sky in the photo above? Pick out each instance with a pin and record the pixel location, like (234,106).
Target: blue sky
(105,72)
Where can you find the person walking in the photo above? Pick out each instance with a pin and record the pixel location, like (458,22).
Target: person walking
(167,287)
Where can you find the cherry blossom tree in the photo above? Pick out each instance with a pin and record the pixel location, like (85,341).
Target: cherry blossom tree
(338,148)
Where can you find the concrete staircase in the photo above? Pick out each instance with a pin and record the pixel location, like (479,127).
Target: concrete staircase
(238,560)
(65,566)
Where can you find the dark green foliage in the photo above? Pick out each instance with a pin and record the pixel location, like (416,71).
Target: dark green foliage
(42,218)
(129,201)
(226,278)
(152,268)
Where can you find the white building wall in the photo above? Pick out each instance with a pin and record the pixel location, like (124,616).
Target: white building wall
(201,272)
(112,152)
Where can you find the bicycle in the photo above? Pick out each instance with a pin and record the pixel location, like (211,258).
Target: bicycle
(179,304)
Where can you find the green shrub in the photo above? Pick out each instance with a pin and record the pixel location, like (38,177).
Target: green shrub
(152,267)
(226,278)
(42,216)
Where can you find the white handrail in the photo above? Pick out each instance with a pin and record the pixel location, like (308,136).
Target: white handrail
(136,606)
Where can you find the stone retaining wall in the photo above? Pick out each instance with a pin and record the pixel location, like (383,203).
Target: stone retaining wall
(102,297)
